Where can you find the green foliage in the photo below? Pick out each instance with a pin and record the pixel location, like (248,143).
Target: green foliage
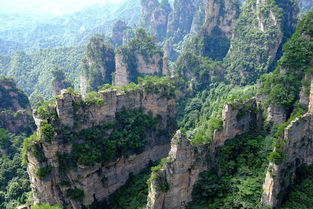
(284,84)
(14,183)
(44,111)
(251,54)
(11,93)
(45,206)
(75,194)
(142,44)
(43,172)
(237,182)
(160,165)
(47,132)
(93,98)
(28,144)
(132,195)
(121,89)
(201,71)
(128,136)
(32,71)
(155,84)
(214,46)
(301,192)
(99,63)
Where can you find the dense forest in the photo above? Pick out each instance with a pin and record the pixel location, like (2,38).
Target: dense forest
(90,103)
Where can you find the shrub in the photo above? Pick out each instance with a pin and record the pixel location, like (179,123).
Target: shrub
(45,206)
(44,172)
(75,194)
(47,132)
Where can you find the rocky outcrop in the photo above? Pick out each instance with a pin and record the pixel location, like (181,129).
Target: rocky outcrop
(221,16)
(294,149)
(172,185)
(262,27)
(15,110)
(238,118)
(72,115)
(297,149)
(118,33)
(98,66)
(133,64)
(59,82)
(276,114)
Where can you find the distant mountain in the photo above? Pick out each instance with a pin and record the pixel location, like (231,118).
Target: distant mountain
(29,32)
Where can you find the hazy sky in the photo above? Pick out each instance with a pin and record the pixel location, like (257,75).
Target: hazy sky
(56,7)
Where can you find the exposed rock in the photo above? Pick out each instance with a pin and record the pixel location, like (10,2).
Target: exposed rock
(221,16)
(141,65)
(118,33)
(15,110)
(59,82)
(99,64)
(121,73)
(185,162)
(253,42)
(276,115)
(97,182)
(172,185)
(238,118)
(296,149)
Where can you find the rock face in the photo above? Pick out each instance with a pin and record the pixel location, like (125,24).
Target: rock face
(238,118)
(59,82)
(15,110)
(296,149)
(259,33)
(172,185)
(221,16)
(99,64)
(185,162)
(100,180)
(118,33)
(127,71)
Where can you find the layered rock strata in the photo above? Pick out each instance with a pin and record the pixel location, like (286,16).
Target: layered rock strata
(95,182)
(171,186)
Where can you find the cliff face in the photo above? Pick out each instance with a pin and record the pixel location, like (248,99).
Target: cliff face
(297,150)
(99,64)
(221,16)
(172,185)
(139,57)
(59,82)
(15,110)
(57,178)
(263,26)
(118,33)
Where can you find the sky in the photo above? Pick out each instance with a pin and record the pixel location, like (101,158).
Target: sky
(49,7)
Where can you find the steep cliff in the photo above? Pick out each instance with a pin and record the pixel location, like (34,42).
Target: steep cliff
(293,147)
(140,57)
(214,40)
(98,66)
(263,26)
(171,184)
(15,110)
(85,149)
(118,33)
(59,82)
